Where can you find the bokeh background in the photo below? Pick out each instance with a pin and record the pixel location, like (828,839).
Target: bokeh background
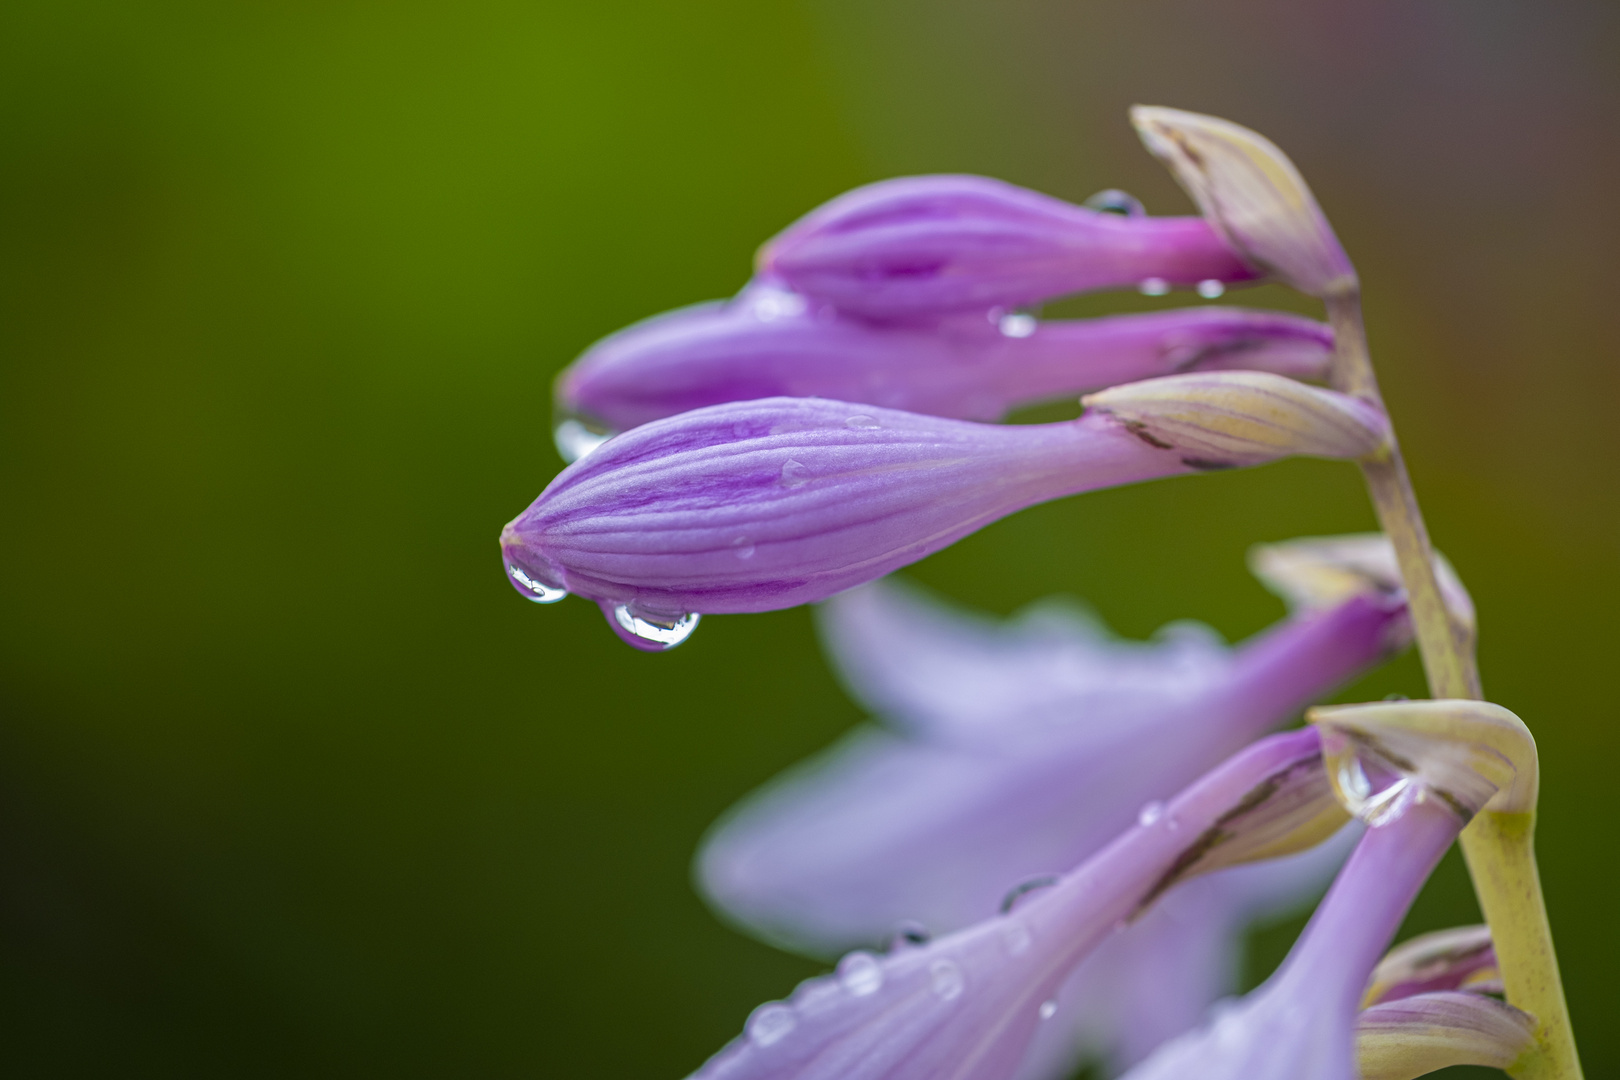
(293,784)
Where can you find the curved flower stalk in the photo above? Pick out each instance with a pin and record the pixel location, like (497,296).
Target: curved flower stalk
(754,506)
(1416,777)
(968,1005)
(767,342)
(919,246)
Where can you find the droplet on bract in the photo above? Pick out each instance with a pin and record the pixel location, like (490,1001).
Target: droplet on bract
(1150,813)
(743,547)
(773,304)
(1017,325)
(862,423)
(654,632)
(909,935)
(1210,288)
(527,580)
(1369,787)
(1115,201)
(1048,1010)
(771,1023)
(1153,286)
(860,974)
(946,979)
(1024,888)
(795,474)
(576,437)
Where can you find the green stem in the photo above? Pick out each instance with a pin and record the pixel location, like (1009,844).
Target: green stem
(1499,848)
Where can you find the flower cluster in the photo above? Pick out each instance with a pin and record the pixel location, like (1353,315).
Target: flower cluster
(1086,823)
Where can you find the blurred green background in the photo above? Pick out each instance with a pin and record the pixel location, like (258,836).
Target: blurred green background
(292,783)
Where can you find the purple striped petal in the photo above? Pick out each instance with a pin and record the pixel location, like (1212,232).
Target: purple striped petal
(917,246)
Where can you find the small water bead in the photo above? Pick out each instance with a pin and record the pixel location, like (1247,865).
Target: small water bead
(1115,201)
(908,935)
(665,633)
(575,438)
(532,589)
(1210,288)
(1017,939)
(1048,1010)
(743,547)
(1024,888)
(860,974)
(771,1023)
(795,474)
(776,304)
(946,979)
(1153,286)
(1151,813)
(1017,325)
(862,423)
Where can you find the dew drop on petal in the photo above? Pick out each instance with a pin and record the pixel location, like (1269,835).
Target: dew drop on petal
(1018,325)
(862,423)
(1115,201)
(665,633)
(1048,1010)
(1022,889)
(860,974)
(1153,286)
(527,580)
(946,979)
(1015,936)
(771,1023)
(909,934)
(795,474)
(1150,813)
(743,547)
(1210,288)
(575,438)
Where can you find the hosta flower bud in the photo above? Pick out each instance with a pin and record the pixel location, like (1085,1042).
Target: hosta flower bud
(768,343)
(1320,571)
(1458,959)
(1252,194)
(1228,418)
(1414,1036)
(918,246)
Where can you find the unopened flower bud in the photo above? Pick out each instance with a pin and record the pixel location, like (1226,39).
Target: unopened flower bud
(1230,418)
(920,246)
(1461,958)
(1249,190)
(1416,1035)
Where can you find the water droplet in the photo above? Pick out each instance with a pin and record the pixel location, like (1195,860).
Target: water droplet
(946,978)
(909,934)
(860,974)
(1210,288)
(659,631)
(770,304)
(527,581)
(862,423)
(771,1023)
(1153,286)
(1115,201)
(743,547)
(1048,1010)
(1023,888)
(575,438)
(1151,813)
(1017,938)
(1396,697)
(1017,325)
(795,474)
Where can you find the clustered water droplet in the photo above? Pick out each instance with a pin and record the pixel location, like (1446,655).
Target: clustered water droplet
(860,974)
(1153,286)
(795,474)
(1150,813)
(1115,201)
(946,979)
(1017,325)
(656,630)
(1210,288)
(1048,1010)
(771,1023)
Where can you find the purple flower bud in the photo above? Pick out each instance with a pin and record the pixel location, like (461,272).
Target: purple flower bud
(766,343)
(1414,1036)
(759,505)
(1462,958)
(918,246)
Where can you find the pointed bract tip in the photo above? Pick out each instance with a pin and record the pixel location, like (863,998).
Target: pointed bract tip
(1313,572)
(1252,194)
(1222,419)
(1416,1035)
(1461,958)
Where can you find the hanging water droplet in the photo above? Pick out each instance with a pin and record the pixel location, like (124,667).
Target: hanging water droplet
(795,474)
(575,437)
(1017,325)
(1015,936)
(1150,813)
(658,632)
(1023,888)
(527,581)
(1115,201)
(1210,288)
(773,304)
(862,423)
(1153,286)
(743,547)
(860,974)
(946,978)
(771,1023)
(909,935)
(1048,1010)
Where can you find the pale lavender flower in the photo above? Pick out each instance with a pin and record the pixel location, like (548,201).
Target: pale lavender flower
(968,1005)
(917,246)
(767,342)
(1416,1035)
(758,505)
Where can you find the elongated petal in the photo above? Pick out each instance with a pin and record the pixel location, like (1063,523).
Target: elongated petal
(1458,959)
(1416,1035)
(1251,192)
(1028,746)
(768,343)
(970,1003)
(917,246)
